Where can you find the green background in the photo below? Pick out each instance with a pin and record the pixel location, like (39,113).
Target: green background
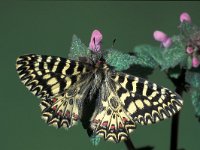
(47,28)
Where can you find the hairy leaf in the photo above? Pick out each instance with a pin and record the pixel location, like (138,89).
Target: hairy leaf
(148,56)
(195,94)
(174,55)
(121,61)
(78,49)
(193,78)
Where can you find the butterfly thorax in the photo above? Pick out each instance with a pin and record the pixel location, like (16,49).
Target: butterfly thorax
(99,71)
(101,66)
(99,75)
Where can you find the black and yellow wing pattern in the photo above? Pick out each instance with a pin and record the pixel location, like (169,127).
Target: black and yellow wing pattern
(60,84)
(127,100)
(123,100)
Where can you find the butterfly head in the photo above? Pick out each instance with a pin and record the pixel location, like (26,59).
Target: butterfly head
(99,63)
(97,58)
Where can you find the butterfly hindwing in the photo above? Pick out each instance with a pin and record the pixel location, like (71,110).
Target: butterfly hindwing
(60,83)
(65,109)
(145,101)
(110,119)
(60,111)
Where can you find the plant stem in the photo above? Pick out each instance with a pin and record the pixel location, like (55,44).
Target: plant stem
(174,125)
(129,144)
(180,87)
(174,132)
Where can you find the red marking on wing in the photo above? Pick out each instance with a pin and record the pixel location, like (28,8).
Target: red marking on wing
(75,116)
(124,119)
(112,127)
(120,125)
(59,112)
(67,114)
(105,123)
(54,100)
(54,108)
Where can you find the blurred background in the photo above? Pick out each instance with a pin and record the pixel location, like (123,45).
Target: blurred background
(47,28)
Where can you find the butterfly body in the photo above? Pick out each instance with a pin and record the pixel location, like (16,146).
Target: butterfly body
(69,89)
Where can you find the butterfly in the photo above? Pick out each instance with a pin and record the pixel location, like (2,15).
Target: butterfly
(121,100)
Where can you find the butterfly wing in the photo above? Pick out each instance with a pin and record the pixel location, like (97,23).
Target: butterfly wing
(126,100)
(59,83)
(110,119)
(145,101)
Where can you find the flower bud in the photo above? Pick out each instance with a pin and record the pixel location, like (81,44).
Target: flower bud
(95,41)
(195,62)
(160,36)
(190,50)
(167,43)
(185,17)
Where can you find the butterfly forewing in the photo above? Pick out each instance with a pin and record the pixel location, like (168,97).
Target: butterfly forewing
(49,75)
(65,110)
(60,83)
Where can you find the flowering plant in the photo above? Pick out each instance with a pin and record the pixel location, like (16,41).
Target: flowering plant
(178,56)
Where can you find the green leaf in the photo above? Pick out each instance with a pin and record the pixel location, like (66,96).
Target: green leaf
(147,56)
(189,62)
(174,55)
(121,61)
(78,49)
(187,29)
(193,78)
(95,140)
(166,58)
(195,95)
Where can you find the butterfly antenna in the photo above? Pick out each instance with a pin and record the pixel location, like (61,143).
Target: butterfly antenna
(114,41)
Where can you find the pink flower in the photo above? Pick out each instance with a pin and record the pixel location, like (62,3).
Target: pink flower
(163,38)
(185,17)
(195,62)
(190,50)
(167,43)
(160,36)
(95,41)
